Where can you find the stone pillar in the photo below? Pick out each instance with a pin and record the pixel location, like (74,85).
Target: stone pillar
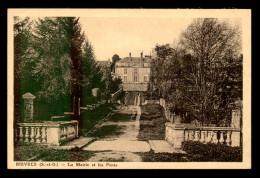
(175,136)
(178,138)
(236,118)
(138,100)
(28,107)
(235,138)
(53,136)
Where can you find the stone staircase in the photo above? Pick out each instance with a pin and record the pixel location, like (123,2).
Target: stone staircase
(130,98)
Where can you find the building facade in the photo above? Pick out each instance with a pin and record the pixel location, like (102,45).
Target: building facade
(134,72)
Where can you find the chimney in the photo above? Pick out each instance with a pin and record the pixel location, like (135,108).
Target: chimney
(141,55)
(129,55)
(108,60)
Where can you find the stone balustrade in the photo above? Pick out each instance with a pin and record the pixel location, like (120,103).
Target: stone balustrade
(48,132)
(115,95)
(151,102)
(176,134)
(93,106)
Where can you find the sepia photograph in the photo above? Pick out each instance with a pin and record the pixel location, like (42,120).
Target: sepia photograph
(129,89)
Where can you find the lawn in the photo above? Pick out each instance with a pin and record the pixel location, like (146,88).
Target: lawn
(36,152)
(91,118)
(197,152)
(121,117)
(101,130)
(152,123)
(106,131)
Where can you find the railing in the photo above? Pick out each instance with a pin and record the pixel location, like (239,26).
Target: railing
(151,102)
(93,106)
(115,95)
(175,134)
(49,132)
(222,135)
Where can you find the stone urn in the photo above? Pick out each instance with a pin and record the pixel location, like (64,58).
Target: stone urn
(177,119)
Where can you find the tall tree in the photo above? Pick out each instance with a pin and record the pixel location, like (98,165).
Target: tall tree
(115,58)
(92,75)
(211,43)
(22,33)
(52,57)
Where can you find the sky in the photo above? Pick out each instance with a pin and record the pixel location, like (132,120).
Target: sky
(121,35)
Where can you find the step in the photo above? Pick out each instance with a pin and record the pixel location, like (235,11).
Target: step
(119,145)
(80,142)
(162,146)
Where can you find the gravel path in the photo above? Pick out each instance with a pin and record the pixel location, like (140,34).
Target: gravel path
(121,148)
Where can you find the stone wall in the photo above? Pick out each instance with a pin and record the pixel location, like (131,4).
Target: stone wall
(135,86)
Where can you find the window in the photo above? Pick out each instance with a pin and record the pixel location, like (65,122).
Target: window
(135,79)
(125,71)
(125,78)
(135,71)
(145,78)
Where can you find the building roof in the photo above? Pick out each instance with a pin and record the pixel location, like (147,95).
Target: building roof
(104,63)
(135,59)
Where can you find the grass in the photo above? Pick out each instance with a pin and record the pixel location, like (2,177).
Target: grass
(121,117)
(152,123)
(91,118)
(162,157)
(35,152)
(96,128)
(106,131)
(197,152)
(121,159)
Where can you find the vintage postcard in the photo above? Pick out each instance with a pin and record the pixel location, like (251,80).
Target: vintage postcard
(129,89)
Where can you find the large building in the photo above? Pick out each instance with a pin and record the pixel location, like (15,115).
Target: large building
(134,72)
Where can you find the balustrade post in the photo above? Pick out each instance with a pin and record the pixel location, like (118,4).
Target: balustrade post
(209,137)
(221,139)
(228,140)
(67,131)
(215,137)
(32,134)
(44,135)
(21,134)
(26,134)
(196,135)
(38,135)
(191,135)
(202,136)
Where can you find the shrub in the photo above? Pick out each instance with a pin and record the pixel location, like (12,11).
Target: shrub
(198,151)
(162,157)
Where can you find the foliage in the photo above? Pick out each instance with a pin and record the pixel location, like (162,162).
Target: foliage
(35,152)
(92,74)
(162,157)
(93,117)
(206,70)
(111,85)
(198,151)
(55,62)
(107,131)
(22,29)
(115,58)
